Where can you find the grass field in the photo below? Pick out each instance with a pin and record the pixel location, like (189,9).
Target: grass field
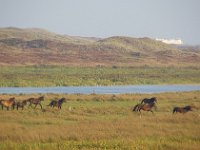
(102,122)
(81,76)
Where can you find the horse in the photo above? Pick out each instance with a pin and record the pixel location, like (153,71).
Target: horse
(149,100)
(8,103)
(58,103)
(182,109)
(21,104)
(35,101)
(145,107)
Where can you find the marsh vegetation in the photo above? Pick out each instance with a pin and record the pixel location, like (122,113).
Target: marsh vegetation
(42,76)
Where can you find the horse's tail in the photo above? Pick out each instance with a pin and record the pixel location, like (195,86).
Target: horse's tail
(136,107)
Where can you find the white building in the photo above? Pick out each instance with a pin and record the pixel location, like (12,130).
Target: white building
(170,41)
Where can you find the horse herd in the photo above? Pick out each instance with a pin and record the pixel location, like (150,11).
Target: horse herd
(146,104)
(32,101)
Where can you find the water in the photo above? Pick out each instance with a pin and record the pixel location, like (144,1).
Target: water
(101,89)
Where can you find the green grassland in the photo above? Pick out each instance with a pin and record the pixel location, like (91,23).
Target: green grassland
(81,76)
(102,122)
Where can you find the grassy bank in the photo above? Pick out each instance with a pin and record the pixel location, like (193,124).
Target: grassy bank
(102,122)
(80,76)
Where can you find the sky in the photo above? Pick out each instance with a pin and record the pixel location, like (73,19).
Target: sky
(179,19)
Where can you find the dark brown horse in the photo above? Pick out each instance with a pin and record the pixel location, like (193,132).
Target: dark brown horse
(35,101)
(58,103)
(182,109)
(21,104)
(145,107)
(8,103)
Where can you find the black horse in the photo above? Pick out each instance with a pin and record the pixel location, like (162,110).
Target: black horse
(35,101)
(58,103)
(145,107)
(182,109)
(149,100)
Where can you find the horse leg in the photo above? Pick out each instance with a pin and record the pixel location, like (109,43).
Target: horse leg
(40,105)
(35,106)
(152,112)
(140,113)
(7,108)
(13,106)
(137,109)
(30,105)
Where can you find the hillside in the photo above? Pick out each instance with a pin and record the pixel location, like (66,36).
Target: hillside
(41,47)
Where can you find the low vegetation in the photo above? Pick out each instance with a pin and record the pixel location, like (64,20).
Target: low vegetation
(102,122)
(78,76)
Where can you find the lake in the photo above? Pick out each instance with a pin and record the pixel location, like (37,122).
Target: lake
(101,89)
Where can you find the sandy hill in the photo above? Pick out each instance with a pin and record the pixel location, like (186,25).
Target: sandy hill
(41,47)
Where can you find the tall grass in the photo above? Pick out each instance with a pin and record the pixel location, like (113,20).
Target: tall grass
(102,122)
(81,76)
